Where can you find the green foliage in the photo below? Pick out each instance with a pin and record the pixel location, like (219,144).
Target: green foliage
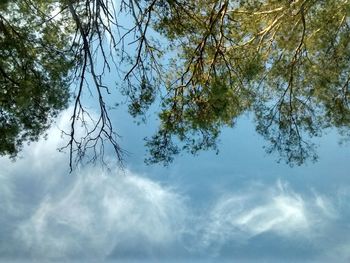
(33,72)
(285,61)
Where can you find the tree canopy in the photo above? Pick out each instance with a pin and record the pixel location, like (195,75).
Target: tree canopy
(207,62)
(34,70)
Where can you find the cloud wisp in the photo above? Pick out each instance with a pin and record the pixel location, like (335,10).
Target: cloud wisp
(47,214)
(260,209)
(100,213)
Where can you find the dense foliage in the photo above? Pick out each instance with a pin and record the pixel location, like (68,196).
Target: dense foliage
(285,61)
(207,61)
(34,66)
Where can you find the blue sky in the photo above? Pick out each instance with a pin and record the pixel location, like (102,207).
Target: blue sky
(240,204)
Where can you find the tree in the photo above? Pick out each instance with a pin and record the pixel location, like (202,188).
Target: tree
(207,61)
(286,61)
(34,67)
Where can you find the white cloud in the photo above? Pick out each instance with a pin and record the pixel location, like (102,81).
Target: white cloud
(100,212)
(48,214)
(260,209)
(326,206)
(90,213)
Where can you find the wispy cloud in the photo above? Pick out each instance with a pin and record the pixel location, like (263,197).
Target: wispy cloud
(100,213)
(47,214)
(261,209)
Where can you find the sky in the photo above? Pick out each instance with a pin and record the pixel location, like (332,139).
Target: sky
(238,205)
